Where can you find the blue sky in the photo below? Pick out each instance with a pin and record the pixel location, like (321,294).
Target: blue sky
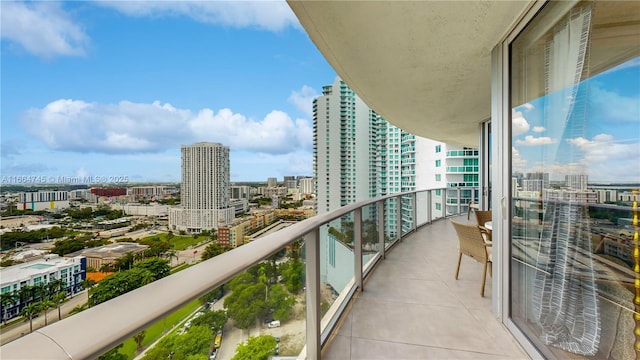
(605,144)
(114,88)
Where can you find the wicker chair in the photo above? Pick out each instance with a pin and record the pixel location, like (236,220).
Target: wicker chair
(482,216)
(472,244)
(472,206)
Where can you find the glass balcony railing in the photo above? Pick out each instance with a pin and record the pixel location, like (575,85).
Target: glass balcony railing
(337,249)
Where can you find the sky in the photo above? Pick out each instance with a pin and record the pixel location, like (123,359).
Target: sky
(99,89)
(602,142)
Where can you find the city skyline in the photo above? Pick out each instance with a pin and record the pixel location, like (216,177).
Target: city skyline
(105,89)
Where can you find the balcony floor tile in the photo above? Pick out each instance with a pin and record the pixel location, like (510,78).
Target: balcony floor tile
(413,308)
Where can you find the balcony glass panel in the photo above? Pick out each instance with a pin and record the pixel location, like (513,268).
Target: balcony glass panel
(390,221)
(423,211)
(573,272)
(370,231)
(407,214)
(336,272)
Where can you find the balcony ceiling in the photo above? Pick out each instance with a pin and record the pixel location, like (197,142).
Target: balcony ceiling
(423,65)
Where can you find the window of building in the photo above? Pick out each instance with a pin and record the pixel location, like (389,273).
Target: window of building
(438,163)
(438,148)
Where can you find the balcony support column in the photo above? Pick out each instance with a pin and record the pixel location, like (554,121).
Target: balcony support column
(429,206)
(414,203)
(312,257)
(381,228)
(357,247)
(399,216)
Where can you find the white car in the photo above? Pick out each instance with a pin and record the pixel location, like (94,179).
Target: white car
(274,324)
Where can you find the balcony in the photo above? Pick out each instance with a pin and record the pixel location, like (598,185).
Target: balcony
(413,308)
(400,298)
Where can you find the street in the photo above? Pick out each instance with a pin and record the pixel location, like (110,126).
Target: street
(16,330)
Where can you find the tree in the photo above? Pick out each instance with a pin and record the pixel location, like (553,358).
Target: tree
(211,295)
(281,302)
(119,283)
(29,311)
(64,247)
(55,286)
(246,303)
(212,250)
(25,294)
(45,305)
(213,319)
(58,299)
(40,291)
(87,284)
(7,300)
(293,275)
(124,262)
(139,338)
(256,348)
(156,266)
(192,345)
(114,354)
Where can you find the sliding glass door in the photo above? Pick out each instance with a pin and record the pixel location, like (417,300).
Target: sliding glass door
(574,94)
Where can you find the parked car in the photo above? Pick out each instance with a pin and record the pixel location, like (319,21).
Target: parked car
(274,324)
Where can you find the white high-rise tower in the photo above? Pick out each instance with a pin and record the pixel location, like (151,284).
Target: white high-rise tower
(205,192)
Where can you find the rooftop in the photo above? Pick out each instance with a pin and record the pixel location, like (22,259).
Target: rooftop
(33,268)
(119,248)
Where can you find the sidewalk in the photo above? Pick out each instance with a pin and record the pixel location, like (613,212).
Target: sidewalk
(21,328)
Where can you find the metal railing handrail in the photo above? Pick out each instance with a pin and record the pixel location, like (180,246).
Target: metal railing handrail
(96,330)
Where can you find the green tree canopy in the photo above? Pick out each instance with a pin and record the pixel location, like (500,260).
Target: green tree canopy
(158,267)
(293,275)
(212,250)
(212,319)
(117,284)
(281,301)
(256,348)
(246,303)
(192,345)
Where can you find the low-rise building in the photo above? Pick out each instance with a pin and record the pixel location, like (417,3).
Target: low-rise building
(43,200)
(71,270)
(108,254)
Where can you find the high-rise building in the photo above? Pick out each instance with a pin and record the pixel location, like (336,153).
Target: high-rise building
(358,155)
(345,170)
(240,192)
(307,186)
(576,181)
(205,192)
(272,182)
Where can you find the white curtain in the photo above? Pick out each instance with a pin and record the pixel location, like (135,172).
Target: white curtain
(565,301)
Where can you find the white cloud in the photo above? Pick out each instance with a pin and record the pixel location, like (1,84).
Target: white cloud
(535,141)
(276,133)
(268,15)
(528,106)
(517,162)
(519,125)
(303,99)
(609,159)
(42,28)
(539,129)
(126,127)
